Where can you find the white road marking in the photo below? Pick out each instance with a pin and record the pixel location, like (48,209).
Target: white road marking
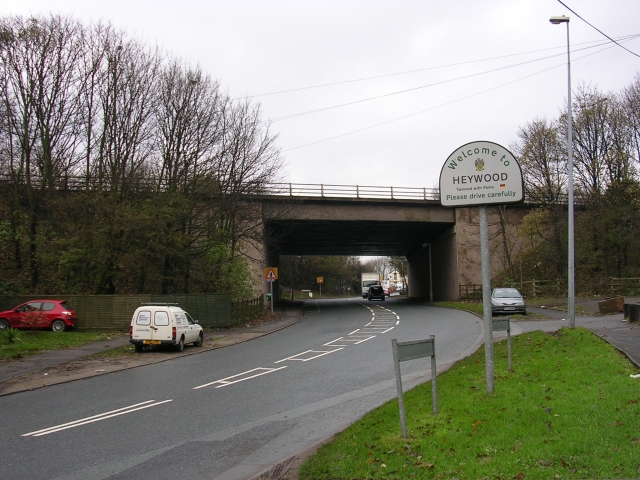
(96,418)
(234,378)
(380,324)
(321,353)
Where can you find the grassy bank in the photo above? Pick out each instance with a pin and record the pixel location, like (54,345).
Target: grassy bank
(569,410)
(29,342)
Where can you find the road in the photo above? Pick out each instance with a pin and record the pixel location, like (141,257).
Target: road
(230,413)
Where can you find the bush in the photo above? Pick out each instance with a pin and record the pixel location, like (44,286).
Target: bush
(10,335)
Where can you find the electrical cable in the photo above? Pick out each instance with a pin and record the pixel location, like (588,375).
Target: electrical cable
(596,29)
(623,38)
(309,112)
(441,105)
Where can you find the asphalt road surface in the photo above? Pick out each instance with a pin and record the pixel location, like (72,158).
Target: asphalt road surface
(230,413)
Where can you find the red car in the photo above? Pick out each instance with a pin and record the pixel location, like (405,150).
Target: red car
(53,314)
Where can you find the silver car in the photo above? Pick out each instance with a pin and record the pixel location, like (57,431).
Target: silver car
(507,300)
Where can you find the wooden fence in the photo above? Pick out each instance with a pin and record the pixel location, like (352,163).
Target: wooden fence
(605,287)
(114,311)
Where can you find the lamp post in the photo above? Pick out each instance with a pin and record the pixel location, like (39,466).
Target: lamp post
(293,275)
(571,267)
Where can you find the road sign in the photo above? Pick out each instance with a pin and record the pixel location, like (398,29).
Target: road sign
(271,274)
(320,280)
(480,173)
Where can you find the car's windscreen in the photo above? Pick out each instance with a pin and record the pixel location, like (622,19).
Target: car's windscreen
(507,294)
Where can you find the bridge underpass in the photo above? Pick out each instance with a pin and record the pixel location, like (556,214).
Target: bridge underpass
(421,230)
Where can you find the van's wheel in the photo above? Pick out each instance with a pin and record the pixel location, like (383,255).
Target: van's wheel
(180,345)
(58,326)
(198,343)
(139,347)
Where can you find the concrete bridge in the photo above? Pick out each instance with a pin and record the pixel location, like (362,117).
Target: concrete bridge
(441,244)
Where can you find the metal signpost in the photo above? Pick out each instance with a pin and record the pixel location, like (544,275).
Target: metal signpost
(501,324)
(403,351)
(480,174)
(271,275)
(320,281)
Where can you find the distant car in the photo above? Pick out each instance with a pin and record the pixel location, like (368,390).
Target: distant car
(507,300)
(376,292)
(54,314)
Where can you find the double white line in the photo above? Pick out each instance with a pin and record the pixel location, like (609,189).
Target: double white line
(96,418)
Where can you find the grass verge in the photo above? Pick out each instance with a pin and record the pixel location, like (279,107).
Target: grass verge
(569,410)
(32,342)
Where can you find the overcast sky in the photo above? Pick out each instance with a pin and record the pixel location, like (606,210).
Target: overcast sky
(422,77)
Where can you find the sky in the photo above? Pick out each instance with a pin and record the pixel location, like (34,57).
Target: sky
(381,92)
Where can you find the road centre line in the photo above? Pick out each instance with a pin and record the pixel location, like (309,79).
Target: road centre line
(227,381)
(355,340)
(382,324)
(380,330)
(96,418)
(320,352)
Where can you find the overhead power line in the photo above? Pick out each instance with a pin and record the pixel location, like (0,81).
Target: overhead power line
(596,29)
(407,72)
(439,106)
(309,112)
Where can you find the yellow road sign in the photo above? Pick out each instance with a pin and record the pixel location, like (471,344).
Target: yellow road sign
(320,280)
(270,274)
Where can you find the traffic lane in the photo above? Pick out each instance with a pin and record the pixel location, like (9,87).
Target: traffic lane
(168,381)
(242,401)
(250,448)
(291,431)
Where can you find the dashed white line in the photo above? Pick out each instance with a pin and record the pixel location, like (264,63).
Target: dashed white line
(96,418)
(320,353)
(240,377)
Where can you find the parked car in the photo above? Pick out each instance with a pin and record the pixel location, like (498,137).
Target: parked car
(507,300)
(54,314)
(376,292)
(164,324)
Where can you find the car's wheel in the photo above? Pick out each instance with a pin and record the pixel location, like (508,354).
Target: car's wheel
(198,343)
(180,345)
(58,326)
(4,324)
(139,347)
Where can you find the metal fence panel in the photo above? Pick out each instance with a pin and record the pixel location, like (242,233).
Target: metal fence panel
(115,311)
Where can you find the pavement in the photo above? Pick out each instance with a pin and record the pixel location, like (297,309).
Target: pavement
(612,328)
(59,366)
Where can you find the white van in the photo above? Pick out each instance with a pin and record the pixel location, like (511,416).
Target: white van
(164,324)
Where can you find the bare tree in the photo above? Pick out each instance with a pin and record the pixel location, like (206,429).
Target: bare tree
(41,106)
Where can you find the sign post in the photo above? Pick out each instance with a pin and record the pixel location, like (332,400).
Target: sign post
(320,281)
(403,351)
(271,275)
(480,174)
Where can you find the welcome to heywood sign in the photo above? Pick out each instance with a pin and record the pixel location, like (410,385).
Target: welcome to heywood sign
(481,173)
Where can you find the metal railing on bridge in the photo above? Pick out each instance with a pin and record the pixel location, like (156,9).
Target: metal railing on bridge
(352,191)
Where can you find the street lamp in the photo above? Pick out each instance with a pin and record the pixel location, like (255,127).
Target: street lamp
(571,284)
(293,275)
